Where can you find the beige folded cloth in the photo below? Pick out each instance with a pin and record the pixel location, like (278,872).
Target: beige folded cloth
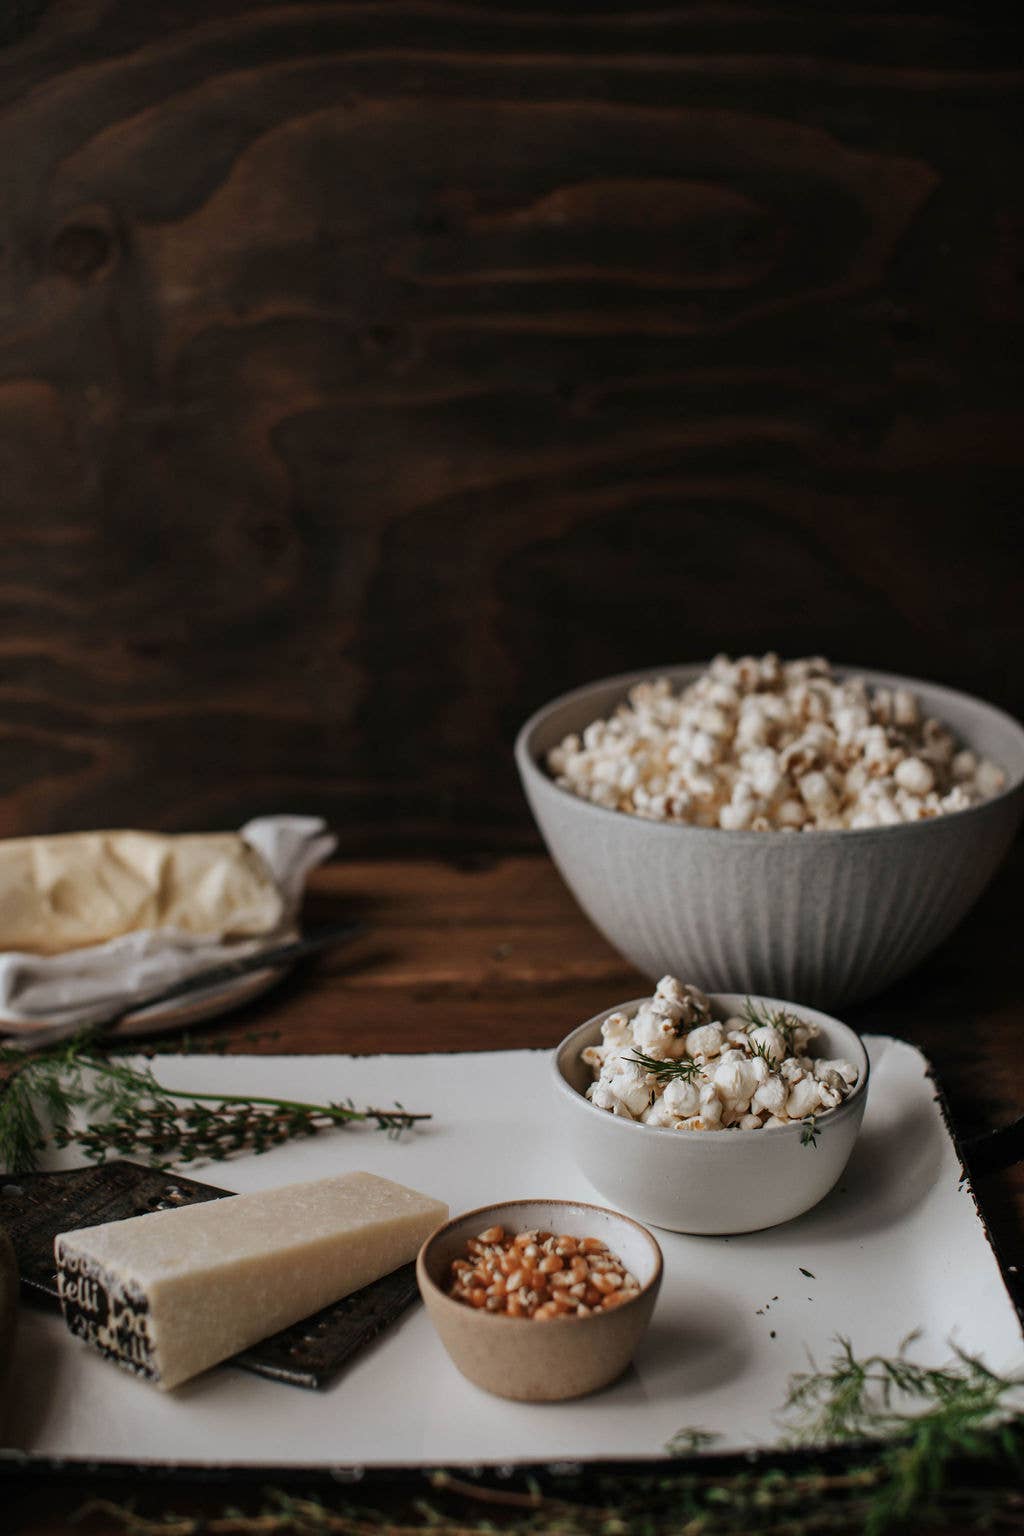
(61,893)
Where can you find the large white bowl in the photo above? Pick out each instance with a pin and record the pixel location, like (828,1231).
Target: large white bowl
(824,916)
(710,1181)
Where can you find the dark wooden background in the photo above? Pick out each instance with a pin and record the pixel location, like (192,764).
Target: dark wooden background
(371,372)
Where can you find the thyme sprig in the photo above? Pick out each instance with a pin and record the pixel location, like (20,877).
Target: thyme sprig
(688,1070)
(74,1094)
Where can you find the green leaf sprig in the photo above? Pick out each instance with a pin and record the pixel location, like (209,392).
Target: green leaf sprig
(859,1399)
(761,1048)
(127,1111)
(687,1070)
(760,1016)
(691,1441)
(809,1131)
(926,1418)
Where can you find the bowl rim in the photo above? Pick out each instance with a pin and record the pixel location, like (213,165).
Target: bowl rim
(441,1297)
(850,1105)
(532,772)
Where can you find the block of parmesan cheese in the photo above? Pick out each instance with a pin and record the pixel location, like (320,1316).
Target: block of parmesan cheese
(170,1293)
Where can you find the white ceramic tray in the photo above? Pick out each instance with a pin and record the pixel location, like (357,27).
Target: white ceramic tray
(897,1247)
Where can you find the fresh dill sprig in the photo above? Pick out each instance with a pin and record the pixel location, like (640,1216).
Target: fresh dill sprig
(926,1416)
(126,1111)
(761,1048)
(854,1399)
(688,1070)
(38,1097)
(759,1016)
(690,1441)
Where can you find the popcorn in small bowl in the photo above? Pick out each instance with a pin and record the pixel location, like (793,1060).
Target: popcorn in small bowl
(675,1064)
(636,1086)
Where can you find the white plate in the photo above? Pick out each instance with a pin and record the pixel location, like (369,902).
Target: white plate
(897,1246)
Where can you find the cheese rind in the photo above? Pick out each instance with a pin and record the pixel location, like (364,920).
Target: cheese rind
(173,1292)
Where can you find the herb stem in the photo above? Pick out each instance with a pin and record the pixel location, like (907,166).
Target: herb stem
(330,1111)
(127,1111)
(686,1068)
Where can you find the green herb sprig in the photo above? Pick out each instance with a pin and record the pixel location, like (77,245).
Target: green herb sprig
(691,1441)
(761,1048)
(856,1399)
(810,1131)
(127,1111)
(926,1418)
(687,1070)
(759,1016)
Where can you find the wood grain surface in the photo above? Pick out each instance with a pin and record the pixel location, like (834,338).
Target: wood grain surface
(372,370)
(369,372)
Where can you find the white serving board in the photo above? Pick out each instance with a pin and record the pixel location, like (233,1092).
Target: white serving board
(898,1246)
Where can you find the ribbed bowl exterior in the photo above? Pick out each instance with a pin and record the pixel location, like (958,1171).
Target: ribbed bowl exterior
(822,917)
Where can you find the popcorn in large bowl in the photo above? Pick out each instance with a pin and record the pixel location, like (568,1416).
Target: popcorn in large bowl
(767,745)
(671,815)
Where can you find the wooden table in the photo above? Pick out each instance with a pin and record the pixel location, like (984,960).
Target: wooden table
(496,953)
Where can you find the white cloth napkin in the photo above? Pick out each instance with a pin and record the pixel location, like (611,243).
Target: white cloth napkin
(86,986)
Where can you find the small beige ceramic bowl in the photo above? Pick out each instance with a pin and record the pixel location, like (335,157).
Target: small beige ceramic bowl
(711,1182)
(540,1362)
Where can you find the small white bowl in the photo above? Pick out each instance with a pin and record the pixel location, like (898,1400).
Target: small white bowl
(710,1182)
(826,916)
(518,1357)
